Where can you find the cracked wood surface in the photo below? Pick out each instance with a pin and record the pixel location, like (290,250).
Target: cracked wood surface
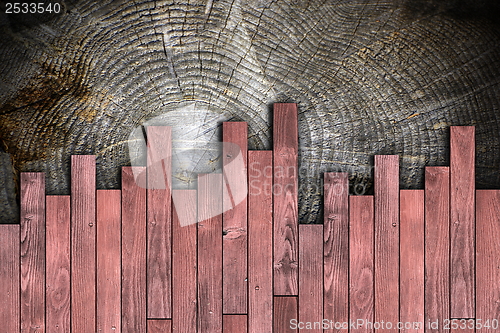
(370,77)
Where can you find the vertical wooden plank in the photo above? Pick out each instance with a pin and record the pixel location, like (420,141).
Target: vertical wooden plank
(285,149)
(83,240)
(159,280)
(387,239)
(235,149)
(336,247)
(133,249)
(58,287)
(260,241)
(9,278)
(412,260)
(285,314)
(361,259)
(462,234)
(159,326)
(310,273)
(184,239)
(487,258)
(33,252)
(108,261)
(235,324)
(437,250)
(210,253)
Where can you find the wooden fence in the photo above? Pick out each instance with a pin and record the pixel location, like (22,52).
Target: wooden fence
(147,258)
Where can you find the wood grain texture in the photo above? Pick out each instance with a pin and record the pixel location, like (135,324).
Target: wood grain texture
(109,261)
(58,249)
(235,226)
(310,273)
(10,302)
(285,311)
(462,227)
(437,245)
(159,215)
(235,323)
(386,201)
(487,258)
(159,326)
(260,242)
(336,247)
(33,252)
(285,212)
(184,263)
(83,240)
(364,84)
(133,249)
(361,260)
(411,247)
(210,253)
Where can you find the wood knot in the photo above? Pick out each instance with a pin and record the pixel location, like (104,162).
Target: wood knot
(233,233)
(332,218)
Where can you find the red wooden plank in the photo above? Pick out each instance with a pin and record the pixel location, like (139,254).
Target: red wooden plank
(83,239)
(9,278)
(387,239)
(462,185)
(58,287)
(33,252)
(108,261)
(285,314)
(210,253)
(310,273)
(159,326)
(159,280)
(133,249)
(361,264)
(487,258)
(235,324)
(412,260)
(285,142)
(336,247)
(235,217)
(437,250)
(184,279)
(260,241)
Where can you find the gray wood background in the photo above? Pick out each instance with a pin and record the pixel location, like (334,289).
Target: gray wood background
(370,77)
